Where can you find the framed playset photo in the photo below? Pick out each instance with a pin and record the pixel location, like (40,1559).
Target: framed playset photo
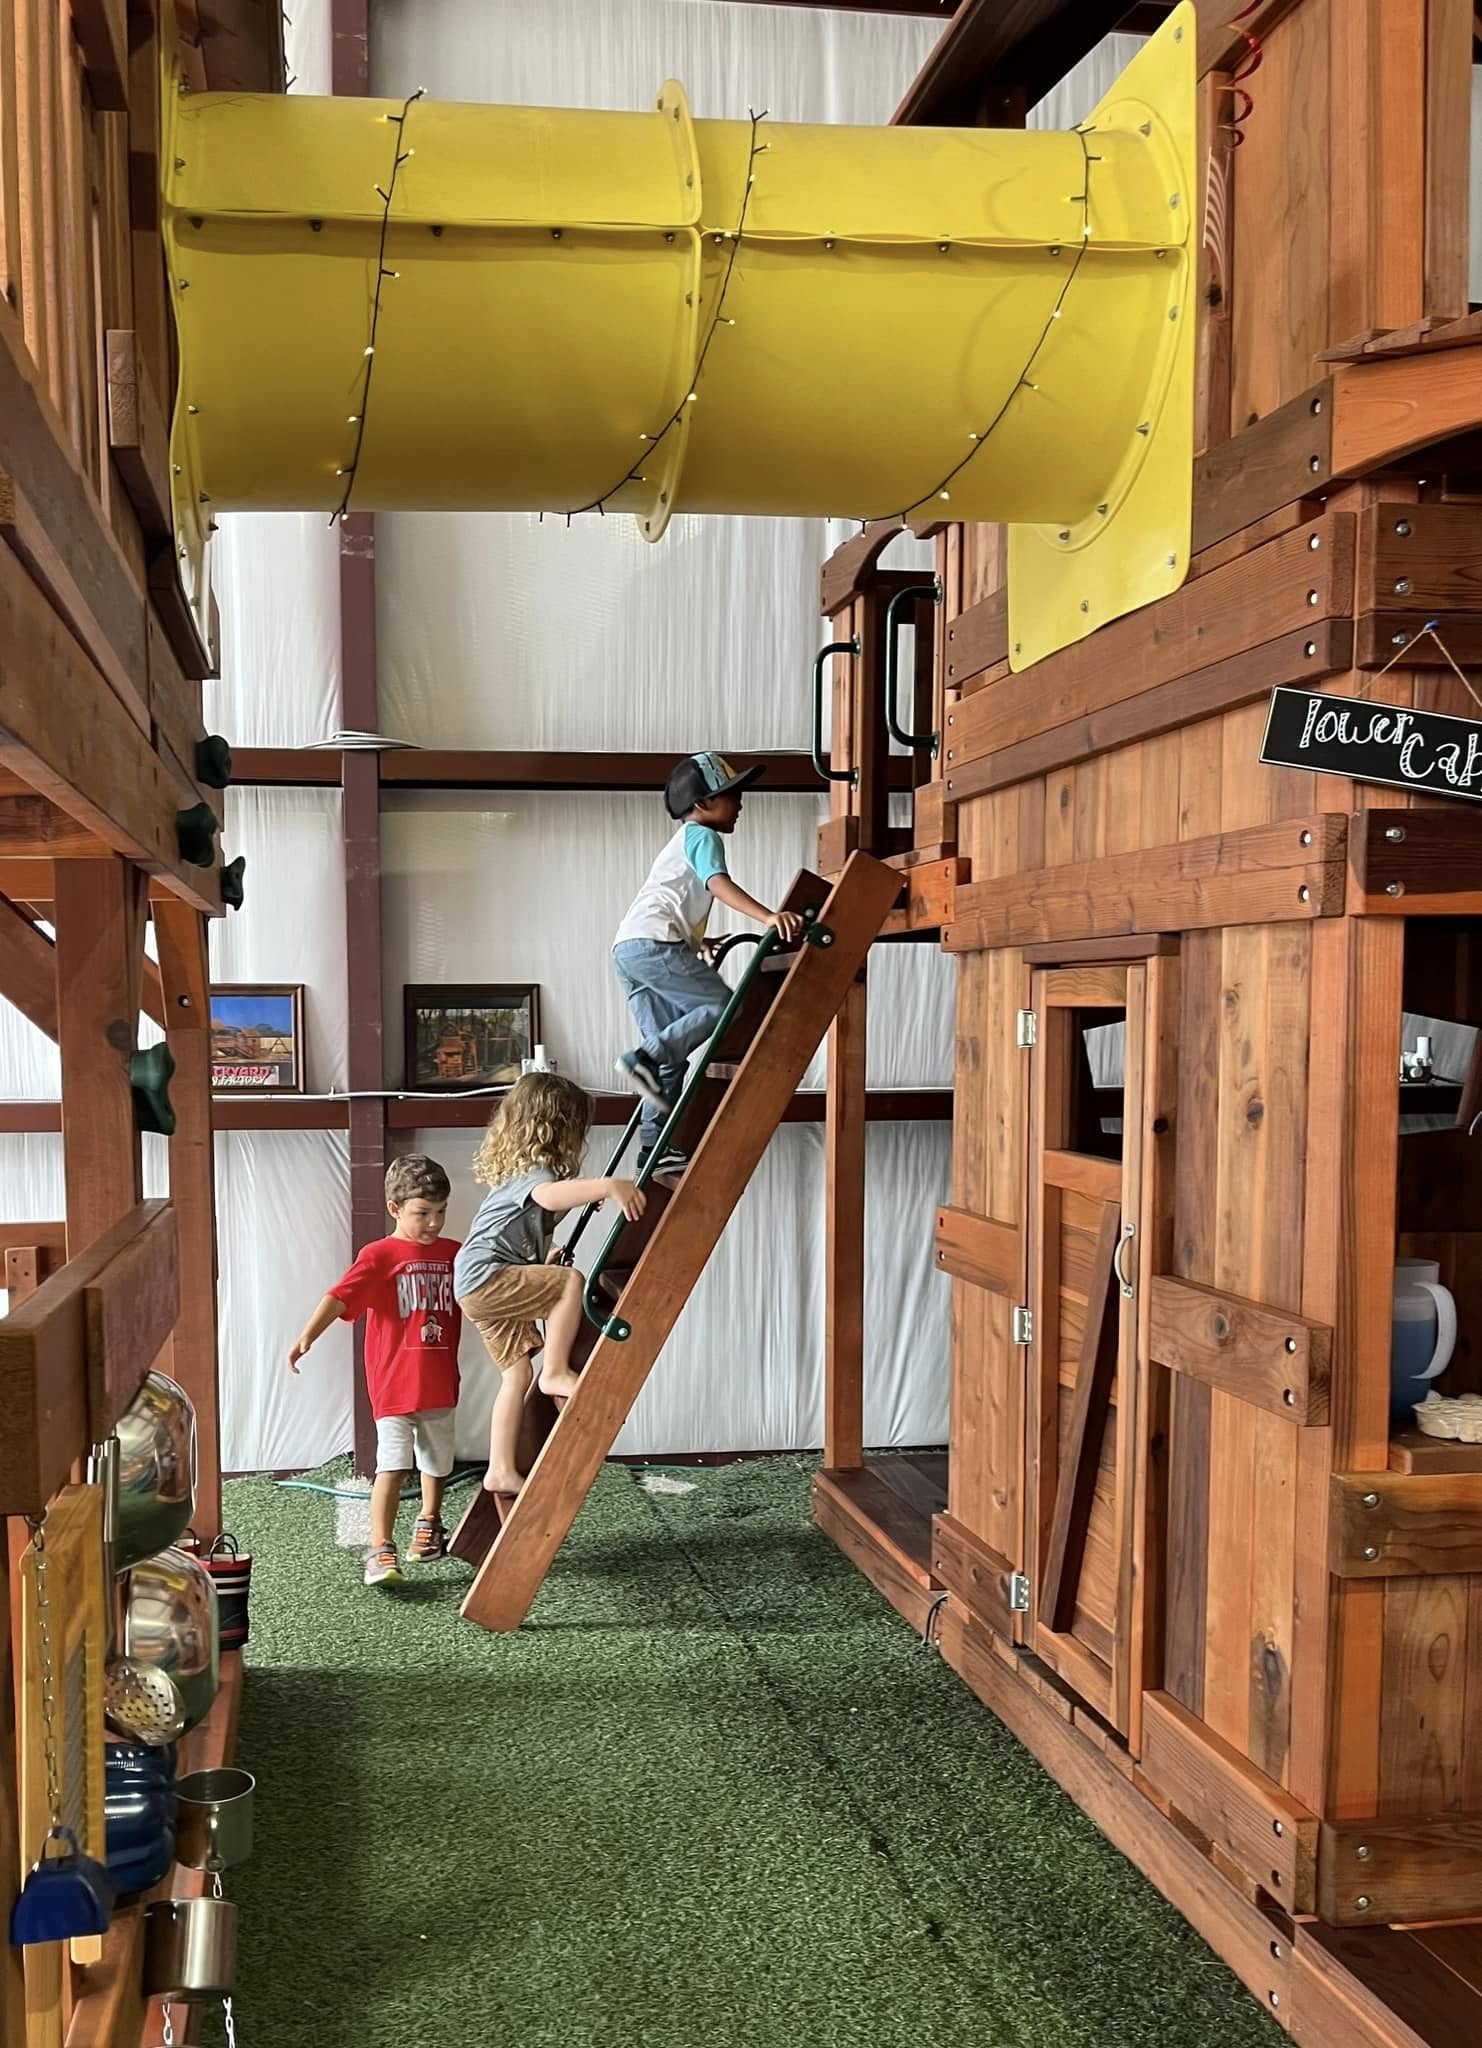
(469,1037)
(257,1039)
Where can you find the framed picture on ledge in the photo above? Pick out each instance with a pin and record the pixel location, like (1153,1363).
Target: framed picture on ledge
(469,1037)
(257,1040)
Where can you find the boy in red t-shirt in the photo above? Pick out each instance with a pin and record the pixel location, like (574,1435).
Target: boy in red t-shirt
(403,1286)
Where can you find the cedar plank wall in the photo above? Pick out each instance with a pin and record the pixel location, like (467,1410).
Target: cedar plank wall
(1359,1698)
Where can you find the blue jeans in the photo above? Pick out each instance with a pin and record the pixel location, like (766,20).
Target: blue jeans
(676,1002)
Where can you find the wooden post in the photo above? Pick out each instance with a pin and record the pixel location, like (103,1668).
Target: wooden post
(361,780)
(181,937)
(844,1251)
(100,907)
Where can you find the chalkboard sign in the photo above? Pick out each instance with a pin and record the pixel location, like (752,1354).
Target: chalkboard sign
(1374,743)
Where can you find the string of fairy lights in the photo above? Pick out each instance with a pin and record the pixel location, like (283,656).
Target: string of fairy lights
(387,193)
(652,441)
(942,489)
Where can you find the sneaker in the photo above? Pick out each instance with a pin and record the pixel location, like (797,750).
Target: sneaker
(671,1160)
(642,1076)
(429,1541)
(381,1568)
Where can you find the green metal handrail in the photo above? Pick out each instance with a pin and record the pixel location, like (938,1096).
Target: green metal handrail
(814,934)
(912,593)
(568,1250)
(825,767)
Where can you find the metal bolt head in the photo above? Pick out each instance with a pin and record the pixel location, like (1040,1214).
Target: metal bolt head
(1173,312)
(1316,406)
(1315,543)
(1275,1997)
(1304,894)
(1291,1344)
(1371,1500)
(1289,1396)
(1065,533)
(1402,586)
(1397,639)
(1362,1852)
(1394,831)
(1085,604)
(1394,888)
(1314,463)
(1363,1902)
(1312,597)
(1173,199)
(1102,510)
(1310,649)
(1402,528)
(1277,1828)
(1172,561)
(1370,1552)
(1306,838)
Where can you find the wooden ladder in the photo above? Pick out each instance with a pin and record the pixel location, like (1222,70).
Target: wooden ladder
(779,1024)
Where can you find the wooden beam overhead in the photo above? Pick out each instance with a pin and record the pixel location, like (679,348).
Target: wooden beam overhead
(1018,46)
(28,968)
(787,774)
(936,10)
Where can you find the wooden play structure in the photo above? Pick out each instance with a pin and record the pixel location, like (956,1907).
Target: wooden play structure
(109,815)
(1178,1546)
(1176,1543)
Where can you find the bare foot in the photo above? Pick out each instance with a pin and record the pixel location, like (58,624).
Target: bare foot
(559,1385)
(502,1482)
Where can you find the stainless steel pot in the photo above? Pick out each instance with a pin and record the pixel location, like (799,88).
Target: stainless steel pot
(190,1947)
(170,1623)
(156,1466)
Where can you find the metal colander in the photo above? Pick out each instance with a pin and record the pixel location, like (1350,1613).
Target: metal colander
(143,1702)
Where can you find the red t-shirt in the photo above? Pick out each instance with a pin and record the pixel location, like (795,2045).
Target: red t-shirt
(405,1292)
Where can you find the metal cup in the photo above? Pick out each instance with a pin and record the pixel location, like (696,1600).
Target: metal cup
(190,1948)
(213,1829)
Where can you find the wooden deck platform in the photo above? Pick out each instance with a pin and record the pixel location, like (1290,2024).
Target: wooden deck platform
(880,1516)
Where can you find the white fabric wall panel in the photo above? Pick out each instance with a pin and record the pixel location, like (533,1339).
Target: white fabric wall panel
(276,576)
(292,926)
(743,1369)
(283,1239)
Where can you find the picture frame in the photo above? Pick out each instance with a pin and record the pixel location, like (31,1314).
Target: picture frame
(257,1038)
(468,1035)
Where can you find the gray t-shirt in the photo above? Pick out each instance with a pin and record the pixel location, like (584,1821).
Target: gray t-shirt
(510,1229)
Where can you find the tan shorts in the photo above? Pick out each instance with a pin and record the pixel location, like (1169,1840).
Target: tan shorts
(506,1309)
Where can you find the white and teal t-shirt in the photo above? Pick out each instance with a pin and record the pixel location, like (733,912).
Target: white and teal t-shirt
(674,903)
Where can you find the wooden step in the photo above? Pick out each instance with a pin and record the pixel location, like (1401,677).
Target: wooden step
(749,1109)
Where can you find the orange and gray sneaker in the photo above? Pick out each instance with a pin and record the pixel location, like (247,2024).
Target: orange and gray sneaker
(381,1568)
(429,1541)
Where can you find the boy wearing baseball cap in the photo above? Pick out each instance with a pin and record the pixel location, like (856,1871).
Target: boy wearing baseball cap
(675,995)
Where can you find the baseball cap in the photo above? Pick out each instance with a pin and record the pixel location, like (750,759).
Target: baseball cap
(702,775)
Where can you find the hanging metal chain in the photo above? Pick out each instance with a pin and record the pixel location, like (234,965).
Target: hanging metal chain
(228,2011)
(37,1526)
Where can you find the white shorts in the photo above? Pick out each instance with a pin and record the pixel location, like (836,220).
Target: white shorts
(428,1436)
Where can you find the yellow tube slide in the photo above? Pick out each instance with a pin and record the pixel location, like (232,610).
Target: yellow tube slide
(648,314)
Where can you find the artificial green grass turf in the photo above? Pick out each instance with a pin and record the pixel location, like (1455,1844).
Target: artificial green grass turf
(715,1792)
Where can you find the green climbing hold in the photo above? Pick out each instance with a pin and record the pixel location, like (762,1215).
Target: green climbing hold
(232,889)
(150,1073)
(197,829)
(213,762)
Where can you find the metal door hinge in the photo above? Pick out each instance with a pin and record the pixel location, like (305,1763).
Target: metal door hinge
(1026,1030)
(1023,1326)
(1018,1593)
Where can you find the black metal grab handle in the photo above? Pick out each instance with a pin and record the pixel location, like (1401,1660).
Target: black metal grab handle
(824,767)
(913,592)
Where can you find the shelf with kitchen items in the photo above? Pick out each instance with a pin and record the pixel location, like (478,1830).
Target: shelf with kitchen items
(1436,1310)
(125,1809)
